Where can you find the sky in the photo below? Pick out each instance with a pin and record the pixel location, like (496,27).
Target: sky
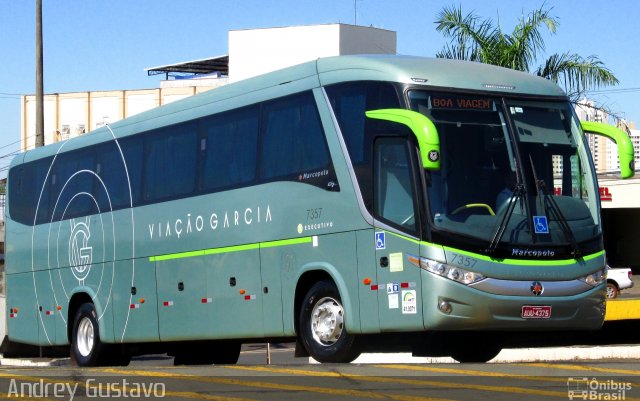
(94,45)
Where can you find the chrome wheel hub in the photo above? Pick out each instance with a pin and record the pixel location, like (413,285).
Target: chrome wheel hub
(327,321)
(84,339)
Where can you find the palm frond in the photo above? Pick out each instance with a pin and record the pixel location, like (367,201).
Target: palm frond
(576,73)
(526,41)
(467,33)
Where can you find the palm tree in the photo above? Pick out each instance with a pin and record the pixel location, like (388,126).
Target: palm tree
(480,40)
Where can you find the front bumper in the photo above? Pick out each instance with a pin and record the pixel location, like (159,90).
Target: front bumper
(473,309)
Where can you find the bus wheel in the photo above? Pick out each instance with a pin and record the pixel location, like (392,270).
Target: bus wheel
(321,324)
(227,353)
(85,338)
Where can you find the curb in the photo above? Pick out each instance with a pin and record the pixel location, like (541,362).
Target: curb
(34,363)
(622,309)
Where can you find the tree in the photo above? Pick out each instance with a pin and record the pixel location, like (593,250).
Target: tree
(475,39)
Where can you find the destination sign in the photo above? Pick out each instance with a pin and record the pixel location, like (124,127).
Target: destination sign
(461,103)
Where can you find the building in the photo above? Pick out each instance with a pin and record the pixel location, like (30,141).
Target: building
(251,52)
(67,115)
(605,151)
(257,51)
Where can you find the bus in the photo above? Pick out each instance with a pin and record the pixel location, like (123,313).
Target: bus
(347,204)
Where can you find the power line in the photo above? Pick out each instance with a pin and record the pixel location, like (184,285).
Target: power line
(616,90)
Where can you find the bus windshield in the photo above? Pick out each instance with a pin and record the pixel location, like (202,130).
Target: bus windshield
(514,174)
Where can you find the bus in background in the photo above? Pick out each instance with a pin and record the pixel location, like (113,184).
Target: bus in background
(349,203)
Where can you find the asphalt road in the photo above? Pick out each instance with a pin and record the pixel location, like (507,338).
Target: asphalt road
(246,382)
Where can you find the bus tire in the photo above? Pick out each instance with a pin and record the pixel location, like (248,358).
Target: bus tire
(479,348)
(227,353)
(86,348)
(321,326)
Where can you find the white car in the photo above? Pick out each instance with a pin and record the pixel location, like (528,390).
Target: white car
(618,279)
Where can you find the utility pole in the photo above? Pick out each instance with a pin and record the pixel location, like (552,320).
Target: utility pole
(355,12)
(39,78)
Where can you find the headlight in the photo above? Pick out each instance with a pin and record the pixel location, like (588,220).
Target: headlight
(595,278)
(451,272)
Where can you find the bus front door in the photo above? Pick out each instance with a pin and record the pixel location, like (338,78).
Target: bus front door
(398,279)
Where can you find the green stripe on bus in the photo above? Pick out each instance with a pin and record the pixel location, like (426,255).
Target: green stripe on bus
(229,249)
(523,262)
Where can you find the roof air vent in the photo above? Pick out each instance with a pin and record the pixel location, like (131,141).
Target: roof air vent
(499,86)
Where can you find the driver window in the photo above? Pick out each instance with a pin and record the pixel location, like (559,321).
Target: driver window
(394,193)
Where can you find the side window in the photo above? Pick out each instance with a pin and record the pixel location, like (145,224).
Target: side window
(171,160)
(394,192)
(111,171)
(68,182)
(349,102)
(133,151)
(293,145)
(25,184)
(228,149)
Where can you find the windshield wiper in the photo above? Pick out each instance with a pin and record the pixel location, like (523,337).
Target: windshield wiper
(554,211)
(518,195)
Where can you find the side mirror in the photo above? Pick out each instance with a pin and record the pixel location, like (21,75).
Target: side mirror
(625,146)
(423,128)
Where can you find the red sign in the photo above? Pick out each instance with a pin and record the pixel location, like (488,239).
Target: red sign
(605,195)
(536,312)
(446,102)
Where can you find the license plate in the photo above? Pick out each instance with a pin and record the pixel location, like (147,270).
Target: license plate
(536,312)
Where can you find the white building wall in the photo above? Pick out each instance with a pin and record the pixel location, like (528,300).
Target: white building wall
(105,110)
(172,98)
(29,138)
(258,51)
(623,193)
(137,103)
(72,115)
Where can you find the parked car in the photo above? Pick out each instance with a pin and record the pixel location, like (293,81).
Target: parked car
(618,279)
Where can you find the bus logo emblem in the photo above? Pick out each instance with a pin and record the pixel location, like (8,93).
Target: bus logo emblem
(537,288)
(380,240)
(80,253)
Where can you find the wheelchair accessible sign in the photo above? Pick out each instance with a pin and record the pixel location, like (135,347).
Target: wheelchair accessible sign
(540,224)
(380,240)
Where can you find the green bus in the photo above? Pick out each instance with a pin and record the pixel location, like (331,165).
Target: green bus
(349,203)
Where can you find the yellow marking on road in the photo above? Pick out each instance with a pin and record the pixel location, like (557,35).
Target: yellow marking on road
(472,372)
(622,309)
(414,382)
(280,386)
(583,368)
